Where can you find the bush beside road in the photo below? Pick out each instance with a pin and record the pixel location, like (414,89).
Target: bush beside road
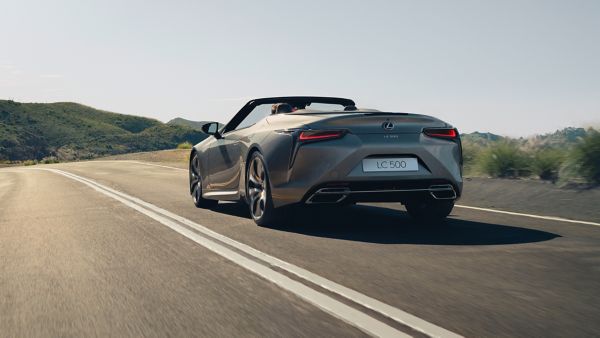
(568,156)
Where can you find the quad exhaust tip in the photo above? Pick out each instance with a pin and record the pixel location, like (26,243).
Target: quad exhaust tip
(328,195)
(442,192)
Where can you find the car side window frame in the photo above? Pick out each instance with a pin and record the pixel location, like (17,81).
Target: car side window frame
(233,124)
(238,118)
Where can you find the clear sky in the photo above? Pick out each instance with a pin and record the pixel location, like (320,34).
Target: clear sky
(509,67)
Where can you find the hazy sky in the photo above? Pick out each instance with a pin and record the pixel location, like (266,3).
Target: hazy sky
(509,67)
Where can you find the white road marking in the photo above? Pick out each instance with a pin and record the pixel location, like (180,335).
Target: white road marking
(347,313)
(551,218)
(140,162)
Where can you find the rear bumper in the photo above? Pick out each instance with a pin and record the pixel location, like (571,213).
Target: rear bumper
(338,164)
(341,192)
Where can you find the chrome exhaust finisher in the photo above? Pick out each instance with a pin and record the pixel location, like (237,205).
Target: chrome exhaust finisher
(442,192)
(328,195)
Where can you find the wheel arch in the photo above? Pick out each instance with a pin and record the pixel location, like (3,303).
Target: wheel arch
(276,149)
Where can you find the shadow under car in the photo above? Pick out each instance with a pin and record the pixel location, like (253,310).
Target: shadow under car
(376,224)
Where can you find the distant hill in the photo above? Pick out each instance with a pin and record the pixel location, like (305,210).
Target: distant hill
(480,139)
(562,139)
(73,131)
(197,125)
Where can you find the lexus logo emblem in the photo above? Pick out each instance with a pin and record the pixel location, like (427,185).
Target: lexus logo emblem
(388,125)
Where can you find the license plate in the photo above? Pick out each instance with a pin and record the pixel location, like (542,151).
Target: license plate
(390,164)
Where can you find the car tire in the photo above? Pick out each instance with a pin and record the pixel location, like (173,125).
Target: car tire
(429,210)
(196,185)
(258,192)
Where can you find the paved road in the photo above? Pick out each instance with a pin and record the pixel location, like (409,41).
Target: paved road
(77,259)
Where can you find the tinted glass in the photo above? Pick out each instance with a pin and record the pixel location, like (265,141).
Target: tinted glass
(259,113)
(213,128)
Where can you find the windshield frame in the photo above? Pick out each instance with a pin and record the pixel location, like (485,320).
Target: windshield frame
(299,101)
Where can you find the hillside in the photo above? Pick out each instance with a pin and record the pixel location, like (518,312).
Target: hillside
(197,125)
(563,138)
(71,131)
(178,121)
(560,139)
(480,139)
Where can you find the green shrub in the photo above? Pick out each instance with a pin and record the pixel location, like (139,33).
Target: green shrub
(184,145)
(503,159)
(585,157)
(546,163)
(471,154)
(50,159)
(30,162)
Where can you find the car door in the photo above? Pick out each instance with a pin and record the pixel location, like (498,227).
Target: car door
(225,156)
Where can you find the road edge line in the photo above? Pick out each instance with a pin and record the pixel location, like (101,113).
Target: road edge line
(140,162)
(550,218)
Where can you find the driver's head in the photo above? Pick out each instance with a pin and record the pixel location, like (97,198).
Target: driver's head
(279,108)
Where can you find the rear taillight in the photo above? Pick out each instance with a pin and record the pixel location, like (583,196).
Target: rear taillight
(446,133)
(320,135)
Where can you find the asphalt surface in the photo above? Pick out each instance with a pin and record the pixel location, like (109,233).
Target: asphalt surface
(533,196)
(76,262)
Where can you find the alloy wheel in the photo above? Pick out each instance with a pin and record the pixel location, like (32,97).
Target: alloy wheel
(195,181)
(257,187)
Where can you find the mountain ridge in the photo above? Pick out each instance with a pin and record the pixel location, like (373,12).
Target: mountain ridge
(71,131)
(561,138)
(197,125)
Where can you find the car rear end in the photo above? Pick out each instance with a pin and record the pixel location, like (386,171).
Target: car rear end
(371,157)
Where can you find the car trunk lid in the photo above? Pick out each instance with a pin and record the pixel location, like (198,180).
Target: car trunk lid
(376,123)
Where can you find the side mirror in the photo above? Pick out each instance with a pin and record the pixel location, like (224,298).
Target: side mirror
(211,128)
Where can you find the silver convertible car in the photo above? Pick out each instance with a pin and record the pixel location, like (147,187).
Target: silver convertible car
(301,151)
